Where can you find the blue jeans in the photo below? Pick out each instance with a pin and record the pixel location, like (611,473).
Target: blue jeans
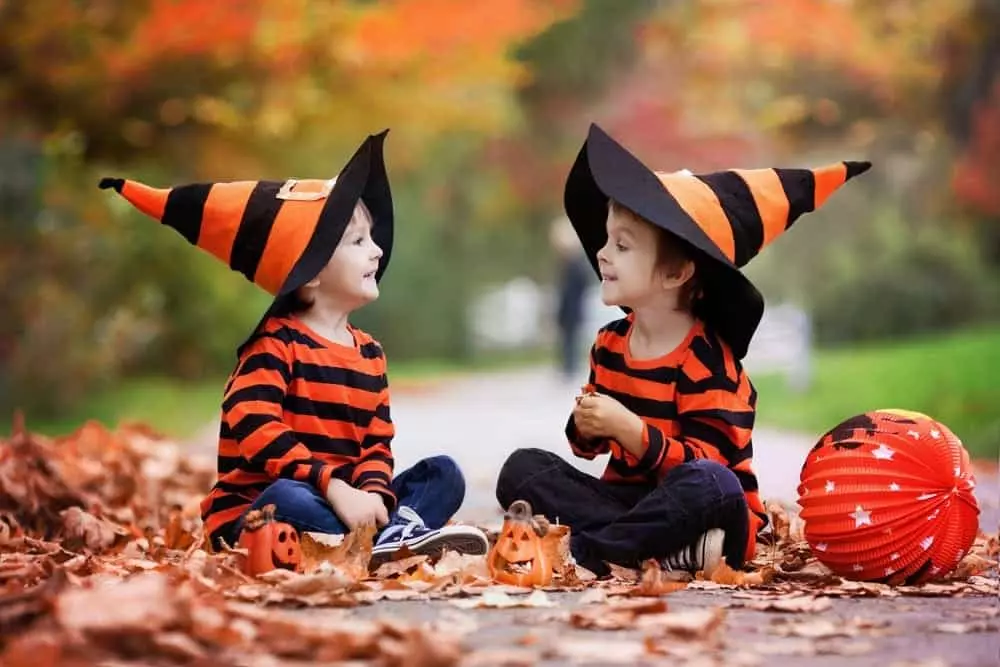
(434,488)
(628,523)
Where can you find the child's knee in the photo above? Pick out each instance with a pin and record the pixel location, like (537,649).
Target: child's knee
(519,466)
(714,474)
(446,467)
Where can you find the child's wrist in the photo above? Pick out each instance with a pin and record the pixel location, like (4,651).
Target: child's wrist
(630,431)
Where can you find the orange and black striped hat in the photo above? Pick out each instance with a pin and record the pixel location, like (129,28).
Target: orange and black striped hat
(278,234)
(729,216)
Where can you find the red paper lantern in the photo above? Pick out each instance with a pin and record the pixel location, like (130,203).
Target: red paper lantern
(888,496)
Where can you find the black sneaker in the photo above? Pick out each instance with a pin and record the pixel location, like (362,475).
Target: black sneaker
(408,530)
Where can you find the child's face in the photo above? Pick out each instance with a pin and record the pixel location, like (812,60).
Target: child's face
(349,276)
(632,274)
(627,261)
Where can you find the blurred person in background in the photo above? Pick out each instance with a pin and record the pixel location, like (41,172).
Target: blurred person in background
(574,278)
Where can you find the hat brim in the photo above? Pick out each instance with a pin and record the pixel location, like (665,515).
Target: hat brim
(605,170)
(364,178)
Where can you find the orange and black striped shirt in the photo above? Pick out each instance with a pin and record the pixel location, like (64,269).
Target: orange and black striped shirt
(695,402)
(301,407)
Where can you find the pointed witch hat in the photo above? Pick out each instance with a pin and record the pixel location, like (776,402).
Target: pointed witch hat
(727,217)
(278,234)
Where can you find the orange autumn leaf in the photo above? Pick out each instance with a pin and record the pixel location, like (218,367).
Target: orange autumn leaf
(655,582)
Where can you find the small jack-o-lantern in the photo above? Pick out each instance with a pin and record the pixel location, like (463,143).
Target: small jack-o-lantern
(270,544)
(518,557)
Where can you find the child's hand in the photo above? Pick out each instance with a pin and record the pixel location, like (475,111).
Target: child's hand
(600,416)
(356,507)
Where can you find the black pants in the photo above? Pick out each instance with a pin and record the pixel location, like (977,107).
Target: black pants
(624,523)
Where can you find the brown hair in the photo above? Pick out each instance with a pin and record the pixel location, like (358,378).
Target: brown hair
(671,254)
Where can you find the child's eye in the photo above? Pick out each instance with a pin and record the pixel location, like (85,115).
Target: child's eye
(359,240)
(620,247)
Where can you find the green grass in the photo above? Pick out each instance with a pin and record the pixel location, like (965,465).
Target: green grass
(179,409)
(953,378)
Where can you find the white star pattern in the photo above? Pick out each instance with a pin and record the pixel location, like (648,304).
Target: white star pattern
(894,487)
(888,571)
(861,517)
(935,433)
(933,515)
(927,542)
(894,556)
(857,567)
(914,434)
(830,486)
(821,546)
(926,496)
(883,453)
(958,471)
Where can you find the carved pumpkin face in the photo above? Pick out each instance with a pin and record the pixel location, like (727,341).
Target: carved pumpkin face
(270,544)
(518,557)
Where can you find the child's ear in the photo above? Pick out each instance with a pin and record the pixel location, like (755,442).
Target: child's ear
(678,277)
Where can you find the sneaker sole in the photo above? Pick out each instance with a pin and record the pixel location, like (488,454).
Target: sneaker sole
(433,545)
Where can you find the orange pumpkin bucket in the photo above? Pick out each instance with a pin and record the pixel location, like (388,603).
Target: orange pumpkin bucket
(270,544)
(518,558)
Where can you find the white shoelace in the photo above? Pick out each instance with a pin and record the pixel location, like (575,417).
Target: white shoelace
(413,522)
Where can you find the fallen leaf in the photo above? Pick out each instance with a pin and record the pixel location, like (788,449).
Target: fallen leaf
(501,600)
(966,628)
(727,576)
(593,596)
(466,567)
(177,535)
(502,657)
(350,556)
(618,615)
(624,574)
(555,546)
(818,628)
(688,624)
(397,567)
(794,603)
(811,647)
(780,523)
(655,582)
(604,652)
(84,530)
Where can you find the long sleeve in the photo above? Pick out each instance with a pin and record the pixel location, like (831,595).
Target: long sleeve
(252,409)
(582,447)
(374,471)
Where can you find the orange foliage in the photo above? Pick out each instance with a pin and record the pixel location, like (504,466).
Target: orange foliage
(188,28)
(404,31)
(977,171)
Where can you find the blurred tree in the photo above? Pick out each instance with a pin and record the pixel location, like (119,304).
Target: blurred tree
(174,90)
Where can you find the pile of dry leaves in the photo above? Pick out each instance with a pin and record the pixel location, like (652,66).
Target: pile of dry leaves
(102,560)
